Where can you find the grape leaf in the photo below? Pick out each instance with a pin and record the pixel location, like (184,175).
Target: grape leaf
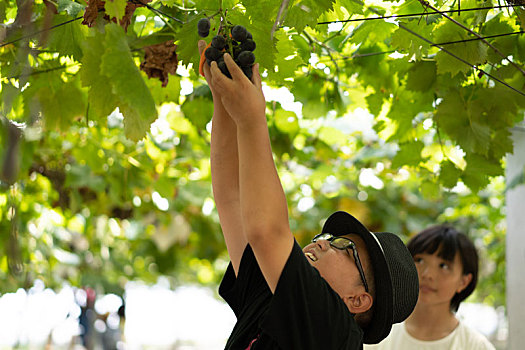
(67,39)
(115,8)
(102,100)
(72,8)
(302,13)
(59,102)
(374,102)
(187,39)
(136,104)
(405,106)
(286,121)
(373,31)
(287,61)
(258,24)
(449,174)
(406,42)
(453,115)
(409,154)
(352,6)
(421,76)
(473,52)
(479,168)
(199,111)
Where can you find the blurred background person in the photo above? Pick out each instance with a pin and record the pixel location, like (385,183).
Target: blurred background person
(447,265)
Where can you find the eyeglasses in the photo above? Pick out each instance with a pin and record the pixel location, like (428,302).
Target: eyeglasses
(343,243)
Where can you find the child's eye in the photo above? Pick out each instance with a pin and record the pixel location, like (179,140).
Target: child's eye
(444,266)
(418,260)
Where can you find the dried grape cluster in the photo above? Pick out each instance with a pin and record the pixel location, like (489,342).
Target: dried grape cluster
(242,47)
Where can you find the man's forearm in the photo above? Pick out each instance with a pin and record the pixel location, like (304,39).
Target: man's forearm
(263,203)
(224,157)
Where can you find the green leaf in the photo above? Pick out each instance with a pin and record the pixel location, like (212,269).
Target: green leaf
(472,52)
(136,102)
(421,76)
(375,102)
(302,13)
(476,174)
(199,111)
(169,93)
(429,189)
(406,42)
(257,23)
(454,117)
(102,100)
(287,61)
(449,174)
(72,8)
(115,8)
(404,107)
(409,154)
(188,36)
(373,31)
(286,121)
(352,6)
(67,39)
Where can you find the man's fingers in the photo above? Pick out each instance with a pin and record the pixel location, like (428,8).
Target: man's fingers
(233,68)
(202,45)
(219,80)
(256,77)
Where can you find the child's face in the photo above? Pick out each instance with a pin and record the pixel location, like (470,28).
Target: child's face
(439,279)
(338,267)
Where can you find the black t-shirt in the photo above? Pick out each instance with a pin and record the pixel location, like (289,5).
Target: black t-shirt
(304,313)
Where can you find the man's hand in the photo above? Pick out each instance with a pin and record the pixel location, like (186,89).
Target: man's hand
(243,99)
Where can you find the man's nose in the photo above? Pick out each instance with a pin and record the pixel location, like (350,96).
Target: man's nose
(323,244)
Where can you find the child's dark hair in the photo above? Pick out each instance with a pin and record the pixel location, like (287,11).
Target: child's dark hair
(447,241)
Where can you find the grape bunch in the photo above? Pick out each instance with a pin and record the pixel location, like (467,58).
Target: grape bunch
(239,44)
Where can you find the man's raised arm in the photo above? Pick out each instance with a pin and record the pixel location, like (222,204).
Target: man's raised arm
(264,210)
(225,175)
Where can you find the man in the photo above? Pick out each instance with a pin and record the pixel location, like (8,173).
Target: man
(347,287)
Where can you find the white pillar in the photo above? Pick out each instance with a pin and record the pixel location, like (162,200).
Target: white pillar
(515,253)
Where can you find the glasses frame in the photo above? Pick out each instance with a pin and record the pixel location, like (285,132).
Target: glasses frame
(348,244)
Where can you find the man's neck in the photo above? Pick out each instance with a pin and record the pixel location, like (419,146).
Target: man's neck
(431,322)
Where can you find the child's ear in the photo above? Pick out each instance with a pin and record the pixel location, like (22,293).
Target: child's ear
(464,282)
(359,303)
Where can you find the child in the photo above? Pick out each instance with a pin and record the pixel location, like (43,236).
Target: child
(447,265)
(346,287)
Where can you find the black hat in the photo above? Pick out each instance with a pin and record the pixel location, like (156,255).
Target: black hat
(396,280)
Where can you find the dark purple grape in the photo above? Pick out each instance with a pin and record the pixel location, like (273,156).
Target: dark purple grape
(224,69)
(249,35)
(248,45)
(246,58)
(203,25)
(239,33)
(248,72)
(212,53)
(218,42)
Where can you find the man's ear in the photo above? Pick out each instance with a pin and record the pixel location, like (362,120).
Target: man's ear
(358,303)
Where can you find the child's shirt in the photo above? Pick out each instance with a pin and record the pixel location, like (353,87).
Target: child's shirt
(461,338)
